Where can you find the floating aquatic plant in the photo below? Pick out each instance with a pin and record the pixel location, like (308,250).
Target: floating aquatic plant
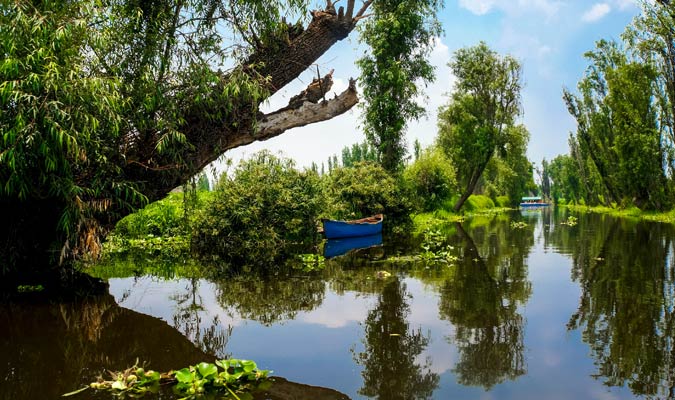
(233,379)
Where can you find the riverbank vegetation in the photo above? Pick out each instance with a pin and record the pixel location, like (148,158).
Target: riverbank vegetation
(266,209)
(622,155)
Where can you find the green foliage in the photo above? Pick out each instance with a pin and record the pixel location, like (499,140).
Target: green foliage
(431,179)
(502,201)
(485,101)
(234,378)
(618,130)
(358,152)
(162,218)
(478,202)
(312,262)
(59,122)
(203,183)
(400,36)
(435,248)
(160,247)
(570,221)
(518,225)
(229,379)
(511,173)
(99,102)
(365,189)
(259,213)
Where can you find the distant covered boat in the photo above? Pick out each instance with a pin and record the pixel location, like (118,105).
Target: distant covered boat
(333,229)
(533,202)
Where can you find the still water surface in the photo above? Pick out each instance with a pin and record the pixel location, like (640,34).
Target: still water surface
(543,311)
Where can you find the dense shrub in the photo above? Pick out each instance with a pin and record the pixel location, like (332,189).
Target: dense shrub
(259,213)
(503,201)
(475,202)
(365,189)
(161,218)
(478,202)
(431,179)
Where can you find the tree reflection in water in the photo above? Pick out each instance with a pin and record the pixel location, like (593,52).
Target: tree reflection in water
(481,300)
(269,299)
(188,320)
(390,363)
(627,275)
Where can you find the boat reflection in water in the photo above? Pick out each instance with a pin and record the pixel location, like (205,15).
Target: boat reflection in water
(338,247)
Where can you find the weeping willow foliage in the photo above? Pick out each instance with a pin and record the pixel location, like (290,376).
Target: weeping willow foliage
(91,89)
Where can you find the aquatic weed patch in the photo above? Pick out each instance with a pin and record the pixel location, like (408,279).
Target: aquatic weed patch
(230,379)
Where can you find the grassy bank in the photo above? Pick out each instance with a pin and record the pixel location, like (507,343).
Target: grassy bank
(475,205)
(632,212)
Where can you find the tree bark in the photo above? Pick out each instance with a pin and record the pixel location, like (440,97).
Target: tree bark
(471,186)
(281,62)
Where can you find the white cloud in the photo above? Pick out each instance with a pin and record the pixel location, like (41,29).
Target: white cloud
(481,7)
(625,4)
(596,13)
(478,7)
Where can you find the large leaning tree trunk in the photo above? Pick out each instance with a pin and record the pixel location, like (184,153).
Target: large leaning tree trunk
(281,63)
(43,227)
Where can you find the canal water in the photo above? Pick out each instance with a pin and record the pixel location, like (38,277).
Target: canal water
(528,305)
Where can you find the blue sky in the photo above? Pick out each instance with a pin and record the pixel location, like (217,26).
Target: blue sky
(549,37)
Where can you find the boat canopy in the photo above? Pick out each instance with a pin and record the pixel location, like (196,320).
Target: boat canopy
(531,198)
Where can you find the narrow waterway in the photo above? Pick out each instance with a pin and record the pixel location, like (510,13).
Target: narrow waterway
(543,309)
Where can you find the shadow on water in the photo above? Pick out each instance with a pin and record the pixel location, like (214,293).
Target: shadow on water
(48,349)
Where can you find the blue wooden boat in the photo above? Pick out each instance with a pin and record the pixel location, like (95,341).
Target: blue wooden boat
(333,229)
(528,202)
(338,247)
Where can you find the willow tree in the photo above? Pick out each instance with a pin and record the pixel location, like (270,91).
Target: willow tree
(400,36)
(484,103)
(106,105)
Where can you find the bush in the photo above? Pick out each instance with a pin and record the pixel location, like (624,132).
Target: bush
(431,179)
(365,189)
(502,201)
(259,213)
(161,218)
(475,202)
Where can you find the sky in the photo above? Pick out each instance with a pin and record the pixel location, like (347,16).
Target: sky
(548,37)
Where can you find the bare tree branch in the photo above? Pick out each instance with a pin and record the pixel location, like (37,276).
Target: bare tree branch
(277,122)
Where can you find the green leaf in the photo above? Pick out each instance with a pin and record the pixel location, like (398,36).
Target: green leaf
(184,376)
(207,369)
(248,365)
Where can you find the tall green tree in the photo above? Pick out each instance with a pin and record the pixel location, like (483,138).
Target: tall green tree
(484,103)
(400,35)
